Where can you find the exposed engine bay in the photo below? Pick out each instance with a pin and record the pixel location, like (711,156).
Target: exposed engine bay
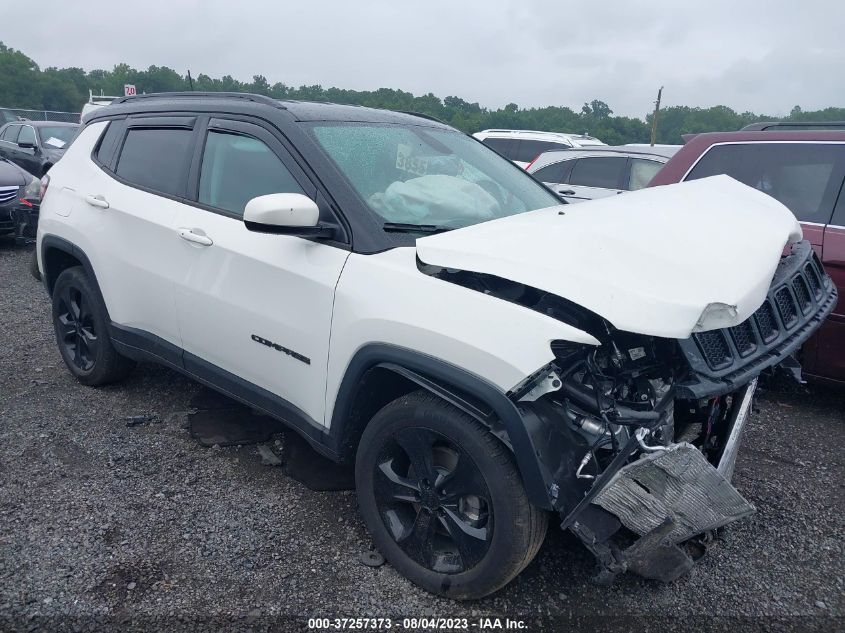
(638,436)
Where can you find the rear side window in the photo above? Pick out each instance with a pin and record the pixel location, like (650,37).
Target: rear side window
(603,172)
(237,168)
(839,212)
(554,173)
(502,145)
(805,177)
(642,171)
(156,158)
(528,150)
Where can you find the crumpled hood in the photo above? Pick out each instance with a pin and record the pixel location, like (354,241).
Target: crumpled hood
(648,261)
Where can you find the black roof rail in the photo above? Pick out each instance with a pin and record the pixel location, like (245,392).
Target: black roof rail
(423,116)
(246,96)
(762,126)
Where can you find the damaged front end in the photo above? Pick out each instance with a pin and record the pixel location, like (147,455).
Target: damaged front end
(637,437)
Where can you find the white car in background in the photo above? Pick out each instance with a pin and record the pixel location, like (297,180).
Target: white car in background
(597,172)
(95,102)
(523,146)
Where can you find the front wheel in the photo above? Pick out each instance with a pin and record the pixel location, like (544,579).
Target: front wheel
(443,500)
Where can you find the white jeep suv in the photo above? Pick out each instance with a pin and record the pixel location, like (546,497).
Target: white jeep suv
(524,146)
(408,300)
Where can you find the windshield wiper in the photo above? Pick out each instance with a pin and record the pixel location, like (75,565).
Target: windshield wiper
(403,227)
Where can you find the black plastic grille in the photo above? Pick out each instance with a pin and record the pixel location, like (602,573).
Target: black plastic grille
(715,348)
(802,293)
(743,336)
(786,307)
(766,322)
(813,280)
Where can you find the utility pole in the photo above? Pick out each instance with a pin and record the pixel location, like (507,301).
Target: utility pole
(191,82)
(654,117)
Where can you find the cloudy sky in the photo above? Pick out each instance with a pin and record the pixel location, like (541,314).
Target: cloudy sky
(764,57)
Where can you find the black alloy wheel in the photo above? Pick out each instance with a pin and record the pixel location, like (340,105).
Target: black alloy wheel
(443,499)
(80,321)
(76,329)
(433,500)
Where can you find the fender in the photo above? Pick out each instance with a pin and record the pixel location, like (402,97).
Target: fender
(462,389)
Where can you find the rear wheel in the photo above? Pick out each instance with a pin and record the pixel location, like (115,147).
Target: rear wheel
(443,499)
(81,325)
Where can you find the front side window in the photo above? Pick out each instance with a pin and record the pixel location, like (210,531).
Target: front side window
(27,135)
(803,176)
(237,168)
(10,134)
(642,171)
(427,176)
(603,172)
(156,158)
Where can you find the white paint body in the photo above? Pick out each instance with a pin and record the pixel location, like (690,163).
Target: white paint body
(649,262)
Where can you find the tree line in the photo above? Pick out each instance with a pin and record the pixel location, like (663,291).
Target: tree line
(24,85)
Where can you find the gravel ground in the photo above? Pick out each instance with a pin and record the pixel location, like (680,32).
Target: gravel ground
(101,518)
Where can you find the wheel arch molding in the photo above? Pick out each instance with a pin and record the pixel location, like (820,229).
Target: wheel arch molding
(391,371)
(58,254)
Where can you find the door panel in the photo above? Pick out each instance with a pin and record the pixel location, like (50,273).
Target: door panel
(255,305)
(831,336)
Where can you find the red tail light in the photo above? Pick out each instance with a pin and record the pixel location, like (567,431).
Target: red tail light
(45,182)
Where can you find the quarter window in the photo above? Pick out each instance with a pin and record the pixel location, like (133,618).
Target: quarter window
(604,172)
(804,176)
(642,171)
(27,135)
(237,168)
(156,158)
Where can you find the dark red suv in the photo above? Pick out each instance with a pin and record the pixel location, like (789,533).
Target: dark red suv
(805,170)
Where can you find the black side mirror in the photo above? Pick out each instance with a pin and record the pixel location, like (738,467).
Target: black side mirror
(26,145)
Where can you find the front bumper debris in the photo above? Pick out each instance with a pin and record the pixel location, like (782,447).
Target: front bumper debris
(666,498)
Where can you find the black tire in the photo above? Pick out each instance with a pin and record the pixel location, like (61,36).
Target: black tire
(33,266)
(81,324)
(485,532)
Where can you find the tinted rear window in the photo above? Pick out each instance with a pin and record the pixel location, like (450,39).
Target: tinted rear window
(805,177)
(156,159)
(501,145)
(11,133)
(606,173)
(528,150)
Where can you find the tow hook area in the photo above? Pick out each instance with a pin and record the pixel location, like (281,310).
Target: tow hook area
(666,498)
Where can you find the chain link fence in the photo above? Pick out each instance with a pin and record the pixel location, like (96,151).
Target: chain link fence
(8,115)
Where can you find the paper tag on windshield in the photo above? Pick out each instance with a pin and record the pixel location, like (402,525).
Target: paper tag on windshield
(406,162)
(55,142)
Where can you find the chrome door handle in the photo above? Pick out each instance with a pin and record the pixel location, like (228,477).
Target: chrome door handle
(196,238)
(97,201)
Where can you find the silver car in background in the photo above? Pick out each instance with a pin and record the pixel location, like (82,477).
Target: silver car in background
(596,172)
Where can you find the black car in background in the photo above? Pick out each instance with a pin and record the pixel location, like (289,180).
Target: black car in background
(36,145)
(19,202)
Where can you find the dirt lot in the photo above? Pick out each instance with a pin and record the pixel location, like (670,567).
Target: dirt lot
(100,516)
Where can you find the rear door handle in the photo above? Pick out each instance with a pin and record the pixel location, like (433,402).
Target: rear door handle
(196,238)
(97,201)
(566,192)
